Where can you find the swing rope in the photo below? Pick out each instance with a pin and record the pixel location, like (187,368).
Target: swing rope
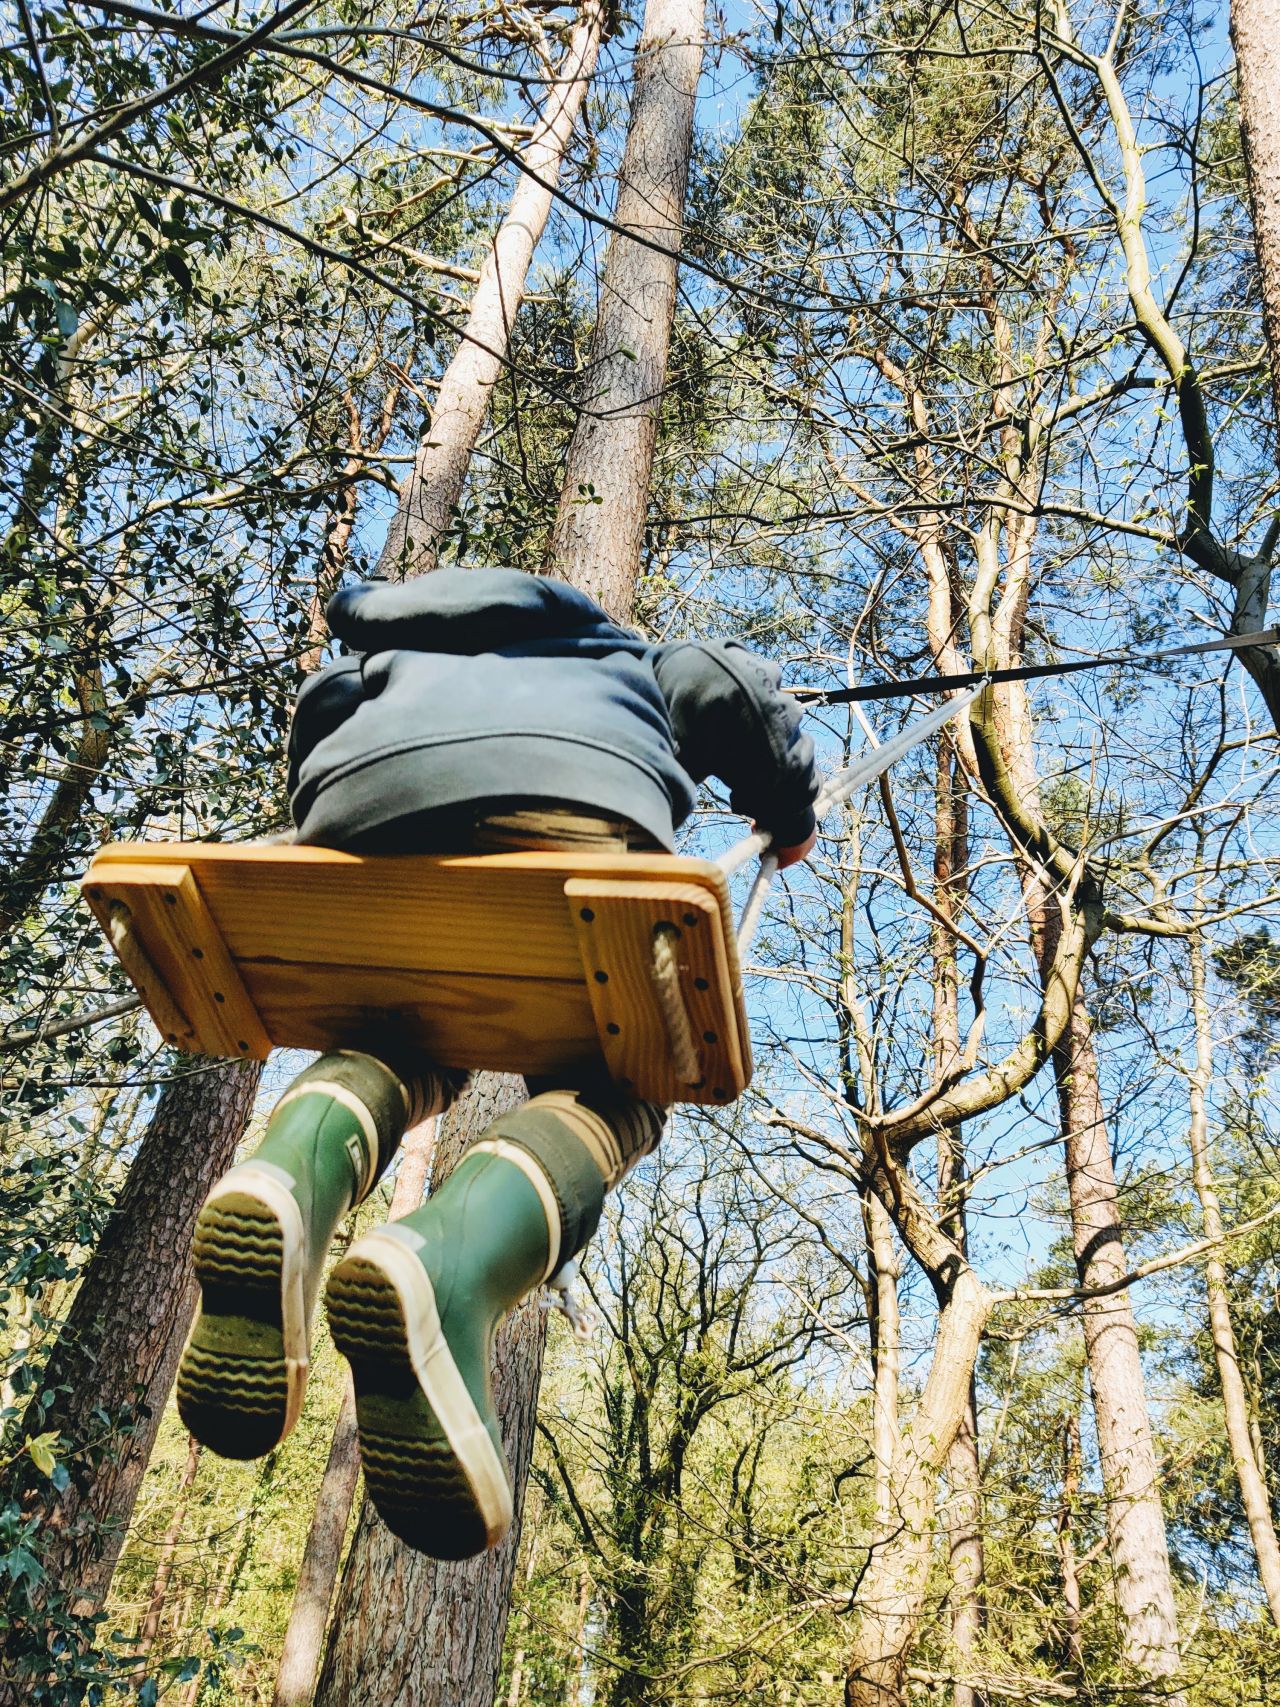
(838,787)
(812,697)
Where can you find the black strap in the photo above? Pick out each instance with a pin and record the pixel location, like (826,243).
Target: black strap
(1026,673)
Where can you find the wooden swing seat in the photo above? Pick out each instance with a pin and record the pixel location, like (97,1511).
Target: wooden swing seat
(535,963)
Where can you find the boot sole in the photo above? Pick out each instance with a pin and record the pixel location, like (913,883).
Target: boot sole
(244,1371)
(430,1465)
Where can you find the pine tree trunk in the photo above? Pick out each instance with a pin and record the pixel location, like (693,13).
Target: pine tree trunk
(410,1630)
(118,1350)
(1246,1460)
(419,1632)
(1130,1471)
(1255,35)
(428,497)
(599,536)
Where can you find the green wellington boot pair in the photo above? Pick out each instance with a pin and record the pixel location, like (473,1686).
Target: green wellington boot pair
(413,1306)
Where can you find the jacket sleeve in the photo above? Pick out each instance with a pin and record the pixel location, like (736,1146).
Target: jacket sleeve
(324,703)
(731,720)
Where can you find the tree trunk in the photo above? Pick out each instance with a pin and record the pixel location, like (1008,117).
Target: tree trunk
(118,1350)
(410,1630)
(1245,1458)
(886,1354)
(1072,1605)
(428,497)
(309,1613)
(164,1560)
(599,530)
(1255,35)
(891,1592)
(420,1632)
(430,494)
(1130,1471)
(965,1553)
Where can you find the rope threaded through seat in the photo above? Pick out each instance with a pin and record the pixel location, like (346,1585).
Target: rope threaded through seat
(675,1015)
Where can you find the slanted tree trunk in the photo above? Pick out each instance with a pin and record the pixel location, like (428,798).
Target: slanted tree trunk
(431,491)
(1246,1459)
(1255,35)
(891,1592)
(118,1350)
(309,1613)
(1072,1658)
(1136,1536)
(408,1629)
(150,1627)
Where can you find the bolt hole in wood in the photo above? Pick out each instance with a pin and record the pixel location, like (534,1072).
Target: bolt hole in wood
(602,977)
(197,954)
(586,915)
(218,996)
(709,1037)
(701,984)
(691,918)
(171,900)
(613,1029)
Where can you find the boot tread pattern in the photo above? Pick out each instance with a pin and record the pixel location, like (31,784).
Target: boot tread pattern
(421,1491)
(232,1385)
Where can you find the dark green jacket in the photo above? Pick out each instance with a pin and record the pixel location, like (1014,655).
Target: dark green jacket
(488,688)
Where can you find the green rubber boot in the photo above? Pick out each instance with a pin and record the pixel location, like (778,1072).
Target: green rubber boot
(414,1308)
(260,1246)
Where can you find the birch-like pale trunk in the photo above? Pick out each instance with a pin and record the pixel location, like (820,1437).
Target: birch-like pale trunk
(431,491)
(1136,1535)
(963,1512)
(165,1558)
(1255,35)
(408,1629)
(891,1593)
(1064,1535)
(309,1613)
(886,1360)
(1246,1460)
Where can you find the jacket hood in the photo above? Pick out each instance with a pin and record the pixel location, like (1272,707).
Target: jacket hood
(465,611)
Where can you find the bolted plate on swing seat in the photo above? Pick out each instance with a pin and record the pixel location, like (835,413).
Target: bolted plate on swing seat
(535,963)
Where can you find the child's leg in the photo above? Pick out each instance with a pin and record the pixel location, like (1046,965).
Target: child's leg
(264,1232)
(414,1306)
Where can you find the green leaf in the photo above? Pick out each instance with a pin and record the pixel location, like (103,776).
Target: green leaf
(40,1447)
(174,261)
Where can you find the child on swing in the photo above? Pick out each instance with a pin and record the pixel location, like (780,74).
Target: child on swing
(474,711)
